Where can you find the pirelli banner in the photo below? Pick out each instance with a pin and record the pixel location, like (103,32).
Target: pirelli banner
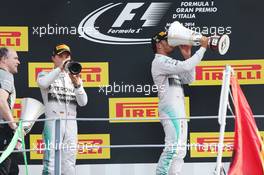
(205,144)
(131,109)
(17,109)
(93,74)
(246,71)
(14,36)
(111,40)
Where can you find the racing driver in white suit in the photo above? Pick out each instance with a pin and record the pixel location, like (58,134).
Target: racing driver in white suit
(169,74)
(61,92)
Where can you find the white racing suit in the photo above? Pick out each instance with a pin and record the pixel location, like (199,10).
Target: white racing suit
(169,75)
(60,99)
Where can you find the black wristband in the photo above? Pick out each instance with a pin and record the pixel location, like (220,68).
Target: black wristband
(77,86)
(19,140)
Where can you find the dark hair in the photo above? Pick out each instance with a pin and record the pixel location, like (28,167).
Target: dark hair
(154,47)
(158,37)
(3,52)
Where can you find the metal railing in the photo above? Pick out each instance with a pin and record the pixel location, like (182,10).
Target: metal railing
(58,149)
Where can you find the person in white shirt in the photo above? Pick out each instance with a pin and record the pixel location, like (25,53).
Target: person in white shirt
(61,93)
(170,74)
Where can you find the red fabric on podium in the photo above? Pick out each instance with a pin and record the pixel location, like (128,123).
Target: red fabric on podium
(248,147)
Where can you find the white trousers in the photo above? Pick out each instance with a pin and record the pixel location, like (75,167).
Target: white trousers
(171,159)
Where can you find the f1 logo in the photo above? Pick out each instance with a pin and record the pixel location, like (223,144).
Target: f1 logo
(150,19)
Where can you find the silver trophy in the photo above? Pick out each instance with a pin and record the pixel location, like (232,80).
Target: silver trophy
(180,35)
(31,110)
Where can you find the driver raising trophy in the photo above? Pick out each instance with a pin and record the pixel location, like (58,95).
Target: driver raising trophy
(180,35)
